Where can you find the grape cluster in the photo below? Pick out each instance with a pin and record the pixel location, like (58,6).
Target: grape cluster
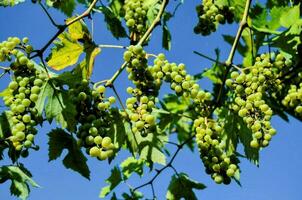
(23,93)
(217,162)
(181,82)
(250,88)
(143,95)
(93,114)
(293,99)
(210,15)
(136,17)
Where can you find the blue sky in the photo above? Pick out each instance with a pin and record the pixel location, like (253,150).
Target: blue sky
(279,173)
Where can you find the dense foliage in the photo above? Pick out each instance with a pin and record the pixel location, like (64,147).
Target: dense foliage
(239,109)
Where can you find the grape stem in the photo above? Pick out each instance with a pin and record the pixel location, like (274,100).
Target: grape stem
(61,29)
(141,41)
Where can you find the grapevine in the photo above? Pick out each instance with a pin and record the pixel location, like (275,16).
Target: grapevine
(162,106)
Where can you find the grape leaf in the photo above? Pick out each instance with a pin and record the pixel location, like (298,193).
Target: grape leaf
(65,53)
(113,180)
(289,39)
(21,180)
(91,52)
(181,186)
(154,6)
(118,128)
(112,19)
(290,16)
(57,104)
(235,130)
(77,30)
(5,131)
(75,160)
(149,147)
(174,119)
(134,195)
(66,6)
(274,3)
(5,3)
(131,165)
(239,6)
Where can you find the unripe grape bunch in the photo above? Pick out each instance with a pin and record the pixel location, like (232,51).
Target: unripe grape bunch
(22,93)
(294,99)
(222,166)
(94,117)
(250,88)
(136,18)
(210,15)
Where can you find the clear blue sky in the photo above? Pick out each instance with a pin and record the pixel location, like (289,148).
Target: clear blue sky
(277,178)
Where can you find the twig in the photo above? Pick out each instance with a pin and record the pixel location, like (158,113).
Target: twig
(171,113)
(153,191)
(48,15)
(154,23)
(242,26)
(99,83)
(119,100)
(209,58)
(158,172)
(111,46)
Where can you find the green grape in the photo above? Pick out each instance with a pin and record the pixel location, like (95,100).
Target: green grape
(94,152)
(210,15)
(106,142)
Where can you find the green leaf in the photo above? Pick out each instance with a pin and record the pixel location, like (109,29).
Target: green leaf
(113,20)
(149,147)
(65,53)
(66,6)
(154,6)
(46,91)
(75,160)
(239,6)
(288,40)
(235,130)
(5,3)
(182,186)
(174,117)
(134,195)
(113,180)
(21,180)
(131,165)
(290,16)
(118,128)
(57,105)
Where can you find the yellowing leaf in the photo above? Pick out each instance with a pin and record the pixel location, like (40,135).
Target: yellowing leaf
(90,57)
(76,30)
(66,54)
